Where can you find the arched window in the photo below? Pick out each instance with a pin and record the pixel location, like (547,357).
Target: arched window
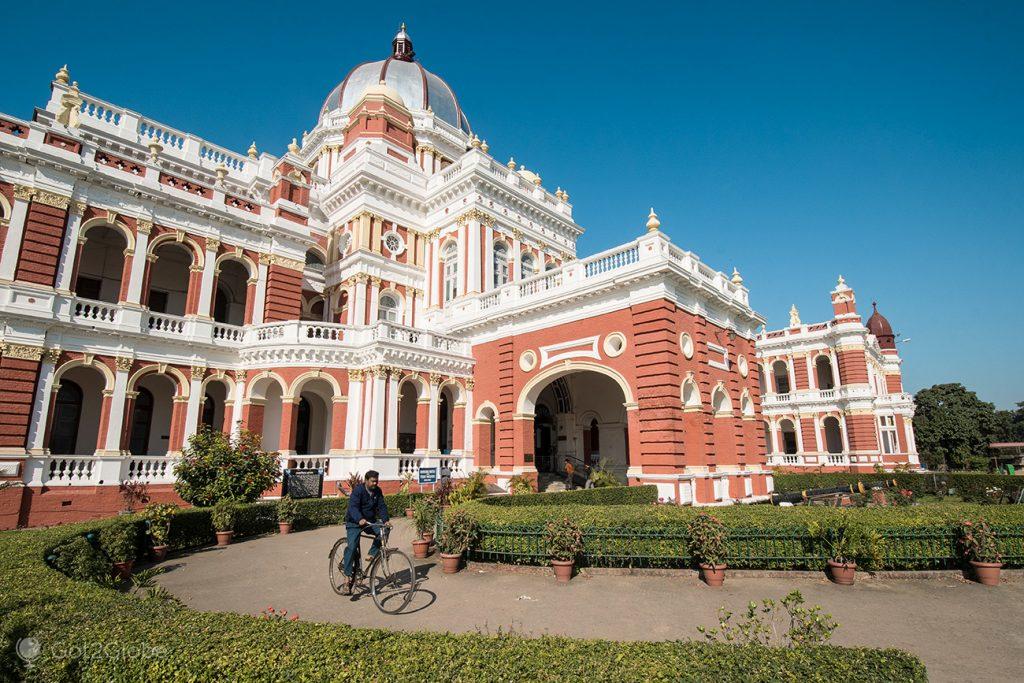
(527,266)
(767,433)
(67,413)
(388,308)
(500,263)
(721,402)
(823,370)
(314,263)
(780,373)
(833,435)
(142,420)
(789,442)
(450,258)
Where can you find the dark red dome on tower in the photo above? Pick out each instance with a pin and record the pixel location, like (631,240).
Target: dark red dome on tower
(880,327)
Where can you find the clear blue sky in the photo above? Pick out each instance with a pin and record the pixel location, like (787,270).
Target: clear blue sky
(795,141)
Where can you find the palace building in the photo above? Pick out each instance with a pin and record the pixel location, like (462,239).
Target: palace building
(384,295)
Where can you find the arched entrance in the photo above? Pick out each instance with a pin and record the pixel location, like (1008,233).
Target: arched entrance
(579,417)
(169,279)
(101,264)
(150,430)
(445,405)
(408,399)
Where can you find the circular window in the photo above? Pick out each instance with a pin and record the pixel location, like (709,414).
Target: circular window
(394,243)
(343,241)
(686,344)
(527,361)
(614,344)
(741,365)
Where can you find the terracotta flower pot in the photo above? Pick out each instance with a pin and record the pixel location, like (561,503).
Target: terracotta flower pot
(563,569)
(123,570)
(159,553)
(224,538)
(410,512)
(987,573)
(429,537)
(284,527)
(842,573)
(420,548)
(450,563)
(712,575)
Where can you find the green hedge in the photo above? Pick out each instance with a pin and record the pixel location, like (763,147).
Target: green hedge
(970,486)
(610,495)
(760,536)
(72,618)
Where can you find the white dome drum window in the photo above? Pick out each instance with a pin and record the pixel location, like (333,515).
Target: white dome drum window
(394,243)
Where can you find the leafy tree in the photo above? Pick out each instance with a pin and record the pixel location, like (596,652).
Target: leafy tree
(953,427)
(1010,424)
(214,467)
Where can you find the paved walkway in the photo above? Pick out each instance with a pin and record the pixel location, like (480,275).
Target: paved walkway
(962,631)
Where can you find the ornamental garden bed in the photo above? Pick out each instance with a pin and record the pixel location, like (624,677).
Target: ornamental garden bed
(759,536)
(148,638)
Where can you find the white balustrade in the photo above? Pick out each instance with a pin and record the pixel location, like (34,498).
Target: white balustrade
(94,311)
(609,261)
(225,332)
(409,465)
(157,469)
(70,470)
(100,111)
(827,394)
(166,324)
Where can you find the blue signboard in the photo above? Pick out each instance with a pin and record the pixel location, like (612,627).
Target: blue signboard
(428,475)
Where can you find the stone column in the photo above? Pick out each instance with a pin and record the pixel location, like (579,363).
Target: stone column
(422,423)
(45,393)
(69,248)
(261,289)
(289,425)
(207,282)
(488,259)
(354,417)
(391,439)
(250,299)
(359,303)
(379,408)
(435,400)
(179,411)
(473,253)
(469,412)
(116,408)
(458,427)
(434,269)
(516,255)
(126,274)
(15,232)
(374,300)
(139,260)
(194,289)
(195,402)
(237,413)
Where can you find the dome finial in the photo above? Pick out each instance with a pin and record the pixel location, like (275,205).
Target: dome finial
(794,317)
(737,279)
(401,46)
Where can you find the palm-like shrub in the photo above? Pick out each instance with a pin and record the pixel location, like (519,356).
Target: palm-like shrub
(287,510)
(705,537)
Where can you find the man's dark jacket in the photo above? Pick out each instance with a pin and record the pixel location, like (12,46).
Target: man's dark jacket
(366,504)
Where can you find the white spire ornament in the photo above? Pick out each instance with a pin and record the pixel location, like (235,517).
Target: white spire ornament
(652,221)
(794,317)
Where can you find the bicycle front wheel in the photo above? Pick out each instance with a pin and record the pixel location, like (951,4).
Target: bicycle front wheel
(392,581)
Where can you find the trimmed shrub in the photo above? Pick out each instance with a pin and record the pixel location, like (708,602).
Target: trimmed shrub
(216,467)
(972,487)
(200,646)
(759,536)
(610,495)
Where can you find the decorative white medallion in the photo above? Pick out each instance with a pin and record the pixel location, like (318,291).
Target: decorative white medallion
(614,344)
(527,361)
(393,242)
(686,344)
(741,365)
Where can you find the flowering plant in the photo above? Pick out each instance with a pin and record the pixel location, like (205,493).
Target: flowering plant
(564,539)
(978,542)
(270,614)
(215,467)
(158,521)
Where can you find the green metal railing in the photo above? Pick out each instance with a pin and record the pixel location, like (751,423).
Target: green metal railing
(783,548)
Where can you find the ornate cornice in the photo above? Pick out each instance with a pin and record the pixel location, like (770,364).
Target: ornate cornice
(53,199)
(475,215)
(23,193)
(291,264)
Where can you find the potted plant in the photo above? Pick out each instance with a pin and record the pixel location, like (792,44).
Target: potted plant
(519,485)
(442,492)
(223,519)
(706,536)
(424,518)
(287,511)
(844,543)
(405,489)
(979,545)
(158,527)
(456,537)
(564,541)
(120,542)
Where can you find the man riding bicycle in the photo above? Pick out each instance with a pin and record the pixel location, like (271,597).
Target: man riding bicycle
(365,506)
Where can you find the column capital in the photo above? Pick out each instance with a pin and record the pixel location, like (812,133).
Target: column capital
(355,375)
(24,193)
(123,363)
(143,226)
(78,208)
(21,351)
(53,355)
(240,375)
(198,371)
(436,379)
(470,383)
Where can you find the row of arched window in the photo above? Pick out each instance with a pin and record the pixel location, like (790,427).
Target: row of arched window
(781,382)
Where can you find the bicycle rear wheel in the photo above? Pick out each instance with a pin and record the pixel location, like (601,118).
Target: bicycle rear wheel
(392,581)
(336,566)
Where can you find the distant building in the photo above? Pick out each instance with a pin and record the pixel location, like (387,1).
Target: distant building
(833,393)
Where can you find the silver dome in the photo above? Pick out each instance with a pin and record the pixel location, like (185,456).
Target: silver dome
(418,87)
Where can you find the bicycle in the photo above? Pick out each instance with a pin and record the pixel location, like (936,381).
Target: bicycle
(392,575)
